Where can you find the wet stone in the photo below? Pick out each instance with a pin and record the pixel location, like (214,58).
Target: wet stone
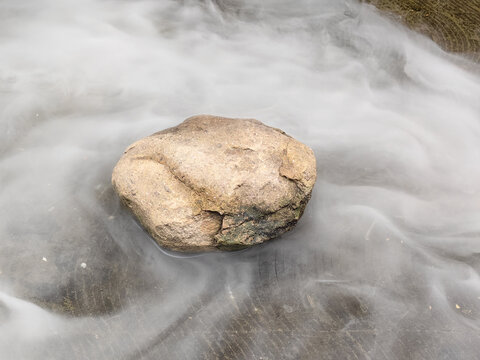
(216,183)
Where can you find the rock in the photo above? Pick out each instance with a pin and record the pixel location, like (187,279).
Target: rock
(216,183)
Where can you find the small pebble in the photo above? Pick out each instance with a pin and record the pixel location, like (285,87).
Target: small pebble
(83,265)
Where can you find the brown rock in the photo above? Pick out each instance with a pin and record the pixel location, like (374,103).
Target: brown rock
(214,182)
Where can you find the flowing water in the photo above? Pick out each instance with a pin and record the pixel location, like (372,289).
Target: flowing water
(384,263)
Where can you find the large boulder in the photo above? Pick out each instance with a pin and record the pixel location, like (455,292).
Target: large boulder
(216,183)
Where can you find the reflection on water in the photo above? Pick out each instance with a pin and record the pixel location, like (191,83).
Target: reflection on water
(385,262)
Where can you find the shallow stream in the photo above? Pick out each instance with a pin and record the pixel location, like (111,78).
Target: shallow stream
(385,261)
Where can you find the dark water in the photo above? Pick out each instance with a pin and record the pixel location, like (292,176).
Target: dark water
(385,262)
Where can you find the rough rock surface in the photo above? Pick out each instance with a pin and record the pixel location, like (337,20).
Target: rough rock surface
(453,24)
(214,182)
